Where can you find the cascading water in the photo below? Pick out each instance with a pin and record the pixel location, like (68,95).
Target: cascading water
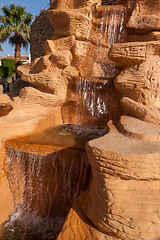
(43,188)
(110,30)
(93,105)
(96,93)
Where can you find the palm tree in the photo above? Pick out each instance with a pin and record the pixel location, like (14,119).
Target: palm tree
(15,25)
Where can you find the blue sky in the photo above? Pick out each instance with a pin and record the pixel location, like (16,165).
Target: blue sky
(32,6)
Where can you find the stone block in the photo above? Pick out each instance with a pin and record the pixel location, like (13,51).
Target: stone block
(65,43)
(140,111)
(134,52)
(66,23)
(6,104)
(145,15)
(48,47)
(133,127)
(60,44)
(46,81)
(141,83)
(123,199)
(80,50)
(61,58)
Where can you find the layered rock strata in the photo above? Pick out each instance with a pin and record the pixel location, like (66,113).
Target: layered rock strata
(139,81)
(122,200)
(78,39)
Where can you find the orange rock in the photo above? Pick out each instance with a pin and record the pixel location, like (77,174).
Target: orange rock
(6,104)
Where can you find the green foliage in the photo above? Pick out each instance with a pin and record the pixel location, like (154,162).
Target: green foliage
(15,26)
(10,63)
(10,72)
(5,72)
(15,22)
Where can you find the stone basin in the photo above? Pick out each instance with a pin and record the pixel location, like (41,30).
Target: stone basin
(56,138)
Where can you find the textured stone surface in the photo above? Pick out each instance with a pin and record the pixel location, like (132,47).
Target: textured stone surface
(48,47)
(70,4)
(140,80)
(80,50)
(41,31)
(122,200)
(6,104)
(66,23)
(45,81)
(141,83)
(41,101)
(60,44)
(114,201)
(136,128)
(61,58)
(125,214)
(152,36)
(140,111)
(77,226)
(134,52)
(145,15)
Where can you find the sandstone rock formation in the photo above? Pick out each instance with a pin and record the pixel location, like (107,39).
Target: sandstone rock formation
(6,104)
(122,199)
(130,192)
(78,39)
(139,81)
(144,15)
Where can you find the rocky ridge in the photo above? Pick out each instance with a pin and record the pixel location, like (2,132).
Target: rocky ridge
(122,200)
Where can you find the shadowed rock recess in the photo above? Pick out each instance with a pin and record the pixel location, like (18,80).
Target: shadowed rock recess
(80,149)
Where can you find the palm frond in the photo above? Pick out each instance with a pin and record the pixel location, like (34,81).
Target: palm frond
(12,40)
(15,25)
(4,33)
(24,42)
(28,18)
(6,11)
(1,50)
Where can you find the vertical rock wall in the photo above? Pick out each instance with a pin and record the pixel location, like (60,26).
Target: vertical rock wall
(41,31)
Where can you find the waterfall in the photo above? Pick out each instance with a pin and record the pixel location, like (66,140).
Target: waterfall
(95,94)
(43,188)
(93,101)
(110,30)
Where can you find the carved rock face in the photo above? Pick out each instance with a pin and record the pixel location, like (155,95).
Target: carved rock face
(6,104)
(140,80)
(70,4)
(145,16)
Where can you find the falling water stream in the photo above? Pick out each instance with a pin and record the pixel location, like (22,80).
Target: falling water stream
(110,30)
(95,93)
(93,104)
(44,186)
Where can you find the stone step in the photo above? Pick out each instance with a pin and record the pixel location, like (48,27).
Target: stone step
(139,129)
(125,157)
(123,197)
